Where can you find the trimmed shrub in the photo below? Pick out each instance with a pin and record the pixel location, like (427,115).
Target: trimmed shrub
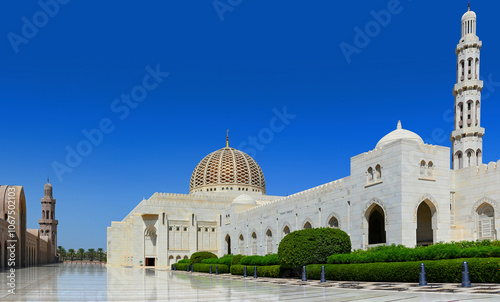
(226,260)
(184,261)
(482,270)
(311,246)
(438,251)
(205,268)
(271,271)
(236,259)
(181,266)
(267,260)
(199,256)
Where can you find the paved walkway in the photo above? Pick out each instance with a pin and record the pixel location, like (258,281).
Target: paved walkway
(95,282)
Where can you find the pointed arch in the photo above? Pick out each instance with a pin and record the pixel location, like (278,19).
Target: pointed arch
(254,242)
(241,244)
(371,204)
(433,204)
(286,229)
(307,224)
(330,221)
(269,241)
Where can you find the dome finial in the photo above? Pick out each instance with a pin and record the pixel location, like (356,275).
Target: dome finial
(227,139)
(399,125)
(469,6)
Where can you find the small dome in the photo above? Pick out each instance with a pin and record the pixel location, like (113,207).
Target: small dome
(244,199)
(469,15)
(398,134)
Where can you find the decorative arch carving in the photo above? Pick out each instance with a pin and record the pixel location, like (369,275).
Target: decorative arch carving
(482,201)
(373,202)
(423,199)
(306,221)
(334,214)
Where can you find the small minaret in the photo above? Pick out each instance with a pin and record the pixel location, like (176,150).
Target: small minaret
(467,138)
(48,223)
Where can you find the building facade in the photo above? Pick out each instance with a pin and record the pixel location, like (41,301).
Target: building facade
(403,191)
(31,246)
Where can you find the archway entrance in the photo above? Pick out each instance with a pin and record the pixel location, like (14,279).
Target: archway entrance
(228,244)
(150,261)
(425,233)
(376,226)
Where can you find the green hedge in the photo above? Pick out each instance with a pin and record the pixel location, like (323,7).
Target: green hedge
(311,246)
(205,268)
(180,266)
(184,261)
(226,260)
(237,259)
(271,271)
(438,251)
(267,260)
(199,256)
(481,270)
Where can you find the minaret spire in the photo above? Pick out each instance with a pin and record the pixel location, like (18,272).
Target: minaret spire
(227,139)
(467,137)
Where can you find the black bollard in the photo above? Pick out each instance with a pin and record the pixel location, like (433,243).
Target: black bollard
(245,272)
(304,277)
(187,268)
(465,275)
(216,269)
(192,268)
(422,281)
(175,266)
(210,269)
(255,271)
(323,278)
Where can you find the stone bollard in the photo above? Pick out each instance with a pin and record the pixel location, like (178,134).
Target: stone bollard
(175,266)
(422,281)
(216,269)
(192,268)
(465,275)
(255,271)
(245,272)
(323,278)
(210,269)
(304,277)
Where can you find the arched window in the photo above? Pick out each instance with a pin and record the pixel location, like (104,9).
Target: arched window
(461,115)
(430,169)
(269,242)
(422,167)
(254,243)
(478,113)
(378,172)
(333,223)
(286,230)
(241,244)
(470,158)
(307,225)
(479,157)
(477,69)
(459,160)
(370,174)
(425,223)
(43,214)
(486,222)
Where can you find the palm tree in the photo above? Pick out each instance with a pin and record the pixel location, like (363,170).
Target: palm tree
(99,253)
(91,254)
(71,253)
(81,253)
(62,252)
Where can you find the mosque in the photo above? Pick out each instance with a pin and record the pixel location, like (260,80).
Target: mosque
(31,246)
(403,192)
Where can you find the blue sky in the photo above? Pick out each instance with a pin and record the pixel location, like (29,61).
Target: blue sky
(232,66)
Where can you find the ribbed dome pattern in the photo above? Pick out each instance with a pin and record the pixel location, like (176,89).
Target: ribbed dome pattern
(227,166)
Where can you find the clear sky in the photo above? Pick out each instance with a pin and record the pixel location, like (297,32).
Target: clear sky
(273,72)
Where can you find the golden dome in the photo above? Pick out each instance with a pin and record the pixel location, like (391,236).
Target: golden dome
(225,170)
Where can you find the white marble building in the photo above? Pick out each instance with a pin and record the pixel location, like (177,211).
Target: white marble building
(403,191)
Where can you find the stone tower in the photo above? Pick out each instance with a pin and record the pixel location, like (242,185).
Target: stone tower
(467,138)
(48,223)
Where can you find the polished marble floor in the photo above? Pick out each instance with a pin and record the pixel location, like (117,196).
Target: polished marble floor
(95,282)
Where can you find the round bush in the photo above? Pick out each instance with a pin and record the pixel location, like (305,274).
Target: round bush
(236,259)
(312,246)
(198,256)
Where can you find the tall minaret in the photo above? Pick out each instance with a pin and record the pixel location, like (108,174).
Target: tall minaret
(48,223)
(467,138)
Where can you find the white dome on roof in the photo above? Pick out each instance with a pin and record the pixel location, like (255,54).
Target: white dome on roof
(469,15)
(398,134)
(244,199)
